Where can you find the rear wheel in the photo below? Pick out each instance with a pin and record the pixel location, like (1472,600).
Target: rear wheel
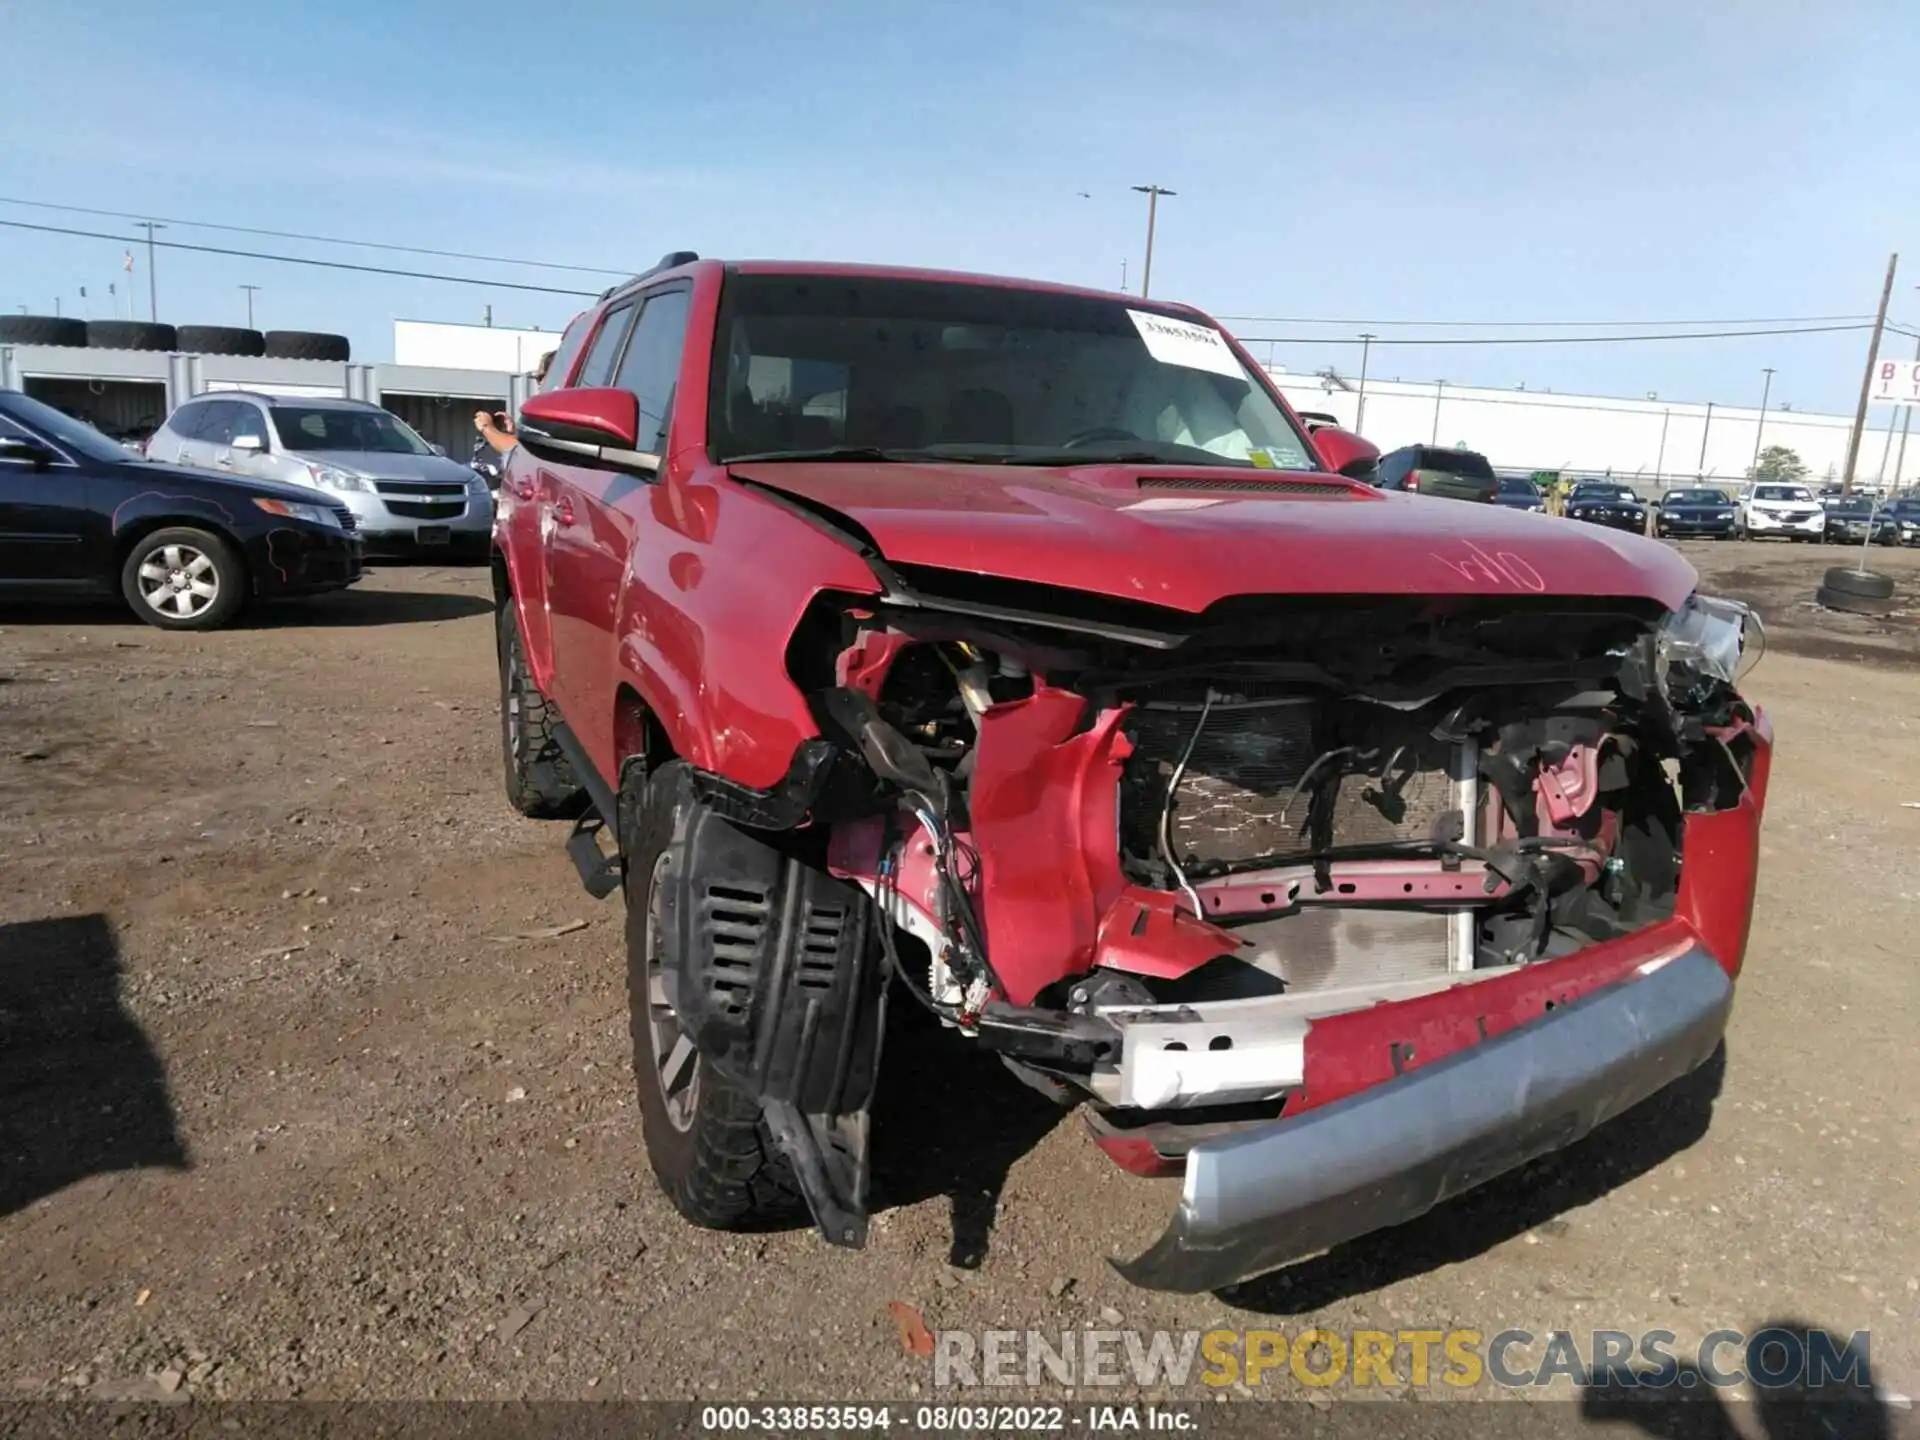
(181,578)
(540,781)
(706,1142)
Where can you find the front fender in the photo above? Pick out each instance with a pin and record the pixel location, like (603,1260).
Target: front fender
(718,579)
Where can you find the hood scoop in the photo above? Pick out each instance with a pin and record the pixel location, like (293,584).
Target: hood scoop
(1274,489)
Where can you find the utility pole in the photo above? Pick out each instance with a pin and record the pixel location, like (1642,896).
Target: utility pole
(1760,429)
(1439,389)
(1866,377)
(1700,471)
(249,289)
(1660,461)
(489,317)
(1360,412)
(1123,274)
(153,284)
(1153,194)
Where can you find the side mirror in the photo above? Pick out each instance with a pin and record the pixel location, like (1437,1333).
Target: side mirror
(1344,453)
(439,450)
(591,424)
(26,452)
(253,444)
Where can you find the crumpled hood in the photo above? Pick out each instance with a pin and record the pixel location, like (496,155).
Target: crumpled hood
(1184,538)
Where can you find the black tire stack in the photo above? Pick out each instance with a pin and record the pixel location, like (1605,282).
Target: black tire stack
(42,330)
(306,345)
(130,335)
(1858,592)
(221,340)
(193,339)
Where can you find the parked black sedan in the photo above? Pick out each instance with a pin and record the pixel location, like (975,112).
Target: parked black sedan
(1905,512)
(1850,517)
(1707,513)
(82,515)
(1600,502)
(1516,492)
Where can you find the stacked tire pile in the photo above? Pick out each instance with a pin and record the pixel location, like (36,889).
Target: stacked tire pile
(192,339)
(1858,592)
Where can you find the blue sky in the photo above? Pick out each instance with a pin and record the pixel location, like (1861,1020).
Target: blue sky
(1377,159)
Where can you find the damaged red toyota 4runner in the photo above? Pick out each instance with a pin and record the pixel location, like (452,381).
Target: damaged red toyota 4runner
(1011,651)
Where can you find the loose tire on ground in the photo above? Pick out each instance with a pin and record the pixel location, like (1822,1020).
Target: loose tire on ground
(1853,604)
(539,779)
(42,330)
(1849,581)
(221,340)
(131,335)
(182,578)
(307,345)
(708,1147)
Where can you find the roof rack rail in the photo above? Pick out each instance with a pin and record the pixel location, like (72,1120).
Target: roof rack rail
(672,260)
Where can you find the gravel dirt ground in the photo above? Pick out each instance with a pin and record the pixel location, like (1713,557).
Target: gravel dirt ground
(314,1064)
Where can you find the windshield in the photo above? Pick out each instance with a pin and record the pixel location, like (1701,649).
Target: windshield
(65,431)
(1514,485)
(331,428)
(1783,492)
(1604,492)
(910,369)
(1698,497)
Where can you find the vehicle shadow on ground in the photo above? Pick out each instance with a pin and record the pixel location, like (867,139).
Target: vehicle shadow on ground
(344,608)
(950,1120)
(82,1091)
(1471,1224)
(1690,1409)
(367,607)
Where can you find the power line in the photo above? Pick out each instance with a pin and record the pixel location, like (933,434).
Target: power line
(328,239)
(1537,324)
(1548,339)
(303,260)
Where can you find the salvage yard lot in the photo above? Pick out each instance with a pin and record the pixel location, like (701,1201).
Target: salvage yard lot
(312,1082)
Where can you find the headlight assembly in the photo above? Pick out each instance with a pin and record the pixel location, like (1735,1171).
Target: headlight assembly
(1707,640)
(331,477)
(314,514)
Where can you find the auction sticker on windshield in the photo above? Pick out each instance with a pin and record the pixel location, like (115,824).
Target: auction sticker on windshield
(1181,342)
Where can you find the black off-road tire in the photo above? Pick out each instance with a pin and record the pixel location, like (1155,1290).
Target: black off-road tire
(307,345)
(221,340)
(1868,583)
(721,1167)
(131,335)
(1853,604)
(42,330)
(539,778)
(224,567)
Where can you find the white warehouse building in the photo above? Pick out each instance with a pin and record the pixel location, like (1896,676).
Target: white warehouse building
(1648,443)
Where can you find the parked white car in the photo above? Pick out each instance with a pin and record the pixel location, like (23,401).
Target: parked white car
(1772,509)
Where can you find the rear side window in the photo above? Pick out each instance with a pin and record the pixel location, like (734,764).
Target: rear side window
(1457,462)
(188,420)
(598,369)
(652,362)
(221,418)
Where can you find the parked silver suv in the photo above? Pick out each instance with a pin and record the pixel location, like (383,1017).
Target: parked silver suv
(407,497)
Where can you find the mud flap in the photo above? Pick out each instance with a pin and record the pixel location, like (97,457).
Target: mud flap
(781,986)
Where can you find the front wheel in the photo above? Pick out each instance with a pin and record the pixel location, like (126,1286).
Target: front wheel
(708,1146)
(182,578)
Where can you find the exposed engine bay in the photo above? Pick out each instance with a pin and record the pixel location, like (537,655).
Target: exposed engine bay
(1140,872)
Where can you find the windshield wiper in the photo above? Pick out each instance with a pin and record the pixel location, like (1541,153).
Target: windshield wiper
(829,452)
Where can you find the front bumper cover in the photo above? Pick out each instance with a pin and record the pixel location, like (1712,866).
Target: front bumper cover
(1262,1199)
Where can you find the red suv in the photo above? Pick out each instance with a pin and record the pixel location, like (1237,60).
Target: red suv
(1011,651)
